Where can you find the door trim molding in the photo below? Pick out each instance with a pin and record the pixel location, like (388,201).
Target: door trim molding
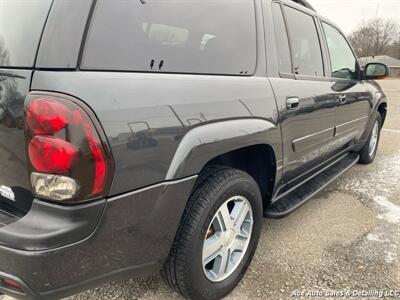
(313,139)
(352,121)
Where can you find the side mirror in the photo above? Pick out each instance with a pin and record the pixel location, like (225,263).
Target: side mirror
(376,71)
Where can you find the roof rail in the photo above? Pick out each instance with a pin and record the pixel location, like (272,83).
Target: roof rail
(304,3)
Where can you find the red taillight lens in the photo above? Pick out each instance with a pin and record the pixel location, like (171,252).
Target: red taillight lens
(46,116)
(63,140)
(99,160)
(11,284)
(51,155)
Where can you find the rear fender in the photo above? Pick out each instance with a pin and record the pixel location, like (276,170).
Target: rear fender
(205,142)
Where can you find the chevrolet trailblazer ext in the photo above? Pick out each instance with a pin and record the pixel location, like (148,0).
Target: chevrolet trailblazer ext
(139,135)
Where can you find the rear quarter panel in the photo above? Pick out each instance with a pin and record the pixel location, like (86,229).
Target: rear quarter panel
(146,116)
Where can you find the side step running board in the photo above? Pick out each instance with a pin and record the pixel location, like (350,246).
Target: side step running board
(289,202)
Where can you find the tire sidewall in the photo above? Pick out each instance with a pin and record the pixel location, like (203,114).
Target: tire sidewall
(367,157)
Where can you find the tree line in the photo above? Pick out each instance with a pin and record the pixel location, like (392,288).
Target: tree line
(377,37)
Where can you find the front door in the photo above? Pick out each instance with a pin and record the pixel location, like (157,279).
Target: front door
(353,98)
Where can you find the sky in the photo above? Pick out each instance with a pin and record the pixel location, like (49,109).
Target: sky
(347,14)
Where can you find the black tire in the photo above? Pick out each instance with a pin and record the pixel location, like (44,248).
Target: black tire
(365,156)
(183,270)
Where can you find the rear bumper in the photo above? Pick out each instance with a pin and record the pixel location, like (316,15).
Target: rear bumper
(131,237)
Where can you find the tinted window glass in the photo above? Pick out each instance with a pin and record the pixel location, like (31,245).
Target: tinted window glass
(21,24)
(306,50)
(193,36)
(282,43)
(62,36)
(343,62)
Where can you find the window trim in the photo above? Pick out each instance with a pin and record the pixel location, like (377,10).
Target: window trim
(324,48)
(358,69)
(85,34)
(287,75)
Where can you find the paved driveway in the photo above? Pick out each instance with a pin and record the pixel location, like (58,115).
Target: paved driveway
(345,238)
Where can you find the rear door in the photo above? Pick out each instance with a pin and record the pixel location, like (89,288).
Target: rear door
(21,25)
(305,100)
(354,101)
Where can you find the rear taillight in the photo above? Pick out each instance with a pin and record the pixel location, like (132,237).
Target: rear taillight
(49,154)
(68,157)
(46,116)
(11,284)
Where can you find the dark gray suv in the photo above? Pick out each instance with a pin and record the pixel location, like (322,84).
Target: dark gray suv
(139,135)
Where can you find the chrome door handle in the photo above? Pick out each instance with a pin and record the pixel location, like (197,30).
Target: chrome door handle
(292,103)
(342,99)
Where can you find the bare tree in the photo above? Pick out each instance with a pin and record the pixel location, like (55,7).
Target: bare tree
(376,37)
(4,56)
(4,61)
(395,49)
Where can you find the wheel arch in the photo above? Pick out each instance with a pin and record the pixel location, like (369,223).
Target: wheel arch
(243,144)
(382,109)
(258,161)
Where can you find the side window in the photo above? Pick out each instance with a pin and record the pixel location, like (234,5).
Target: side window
(21,24)
(282,42)
(343,62)
(211,37)
(306,48)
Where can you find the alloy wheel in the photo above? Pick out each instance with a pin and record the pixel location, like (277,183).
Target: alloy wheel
(227,238)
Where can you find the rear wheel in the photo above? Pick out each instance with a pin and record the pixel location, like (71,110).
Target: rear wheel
(217,237)
(368,152)
(227,238)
